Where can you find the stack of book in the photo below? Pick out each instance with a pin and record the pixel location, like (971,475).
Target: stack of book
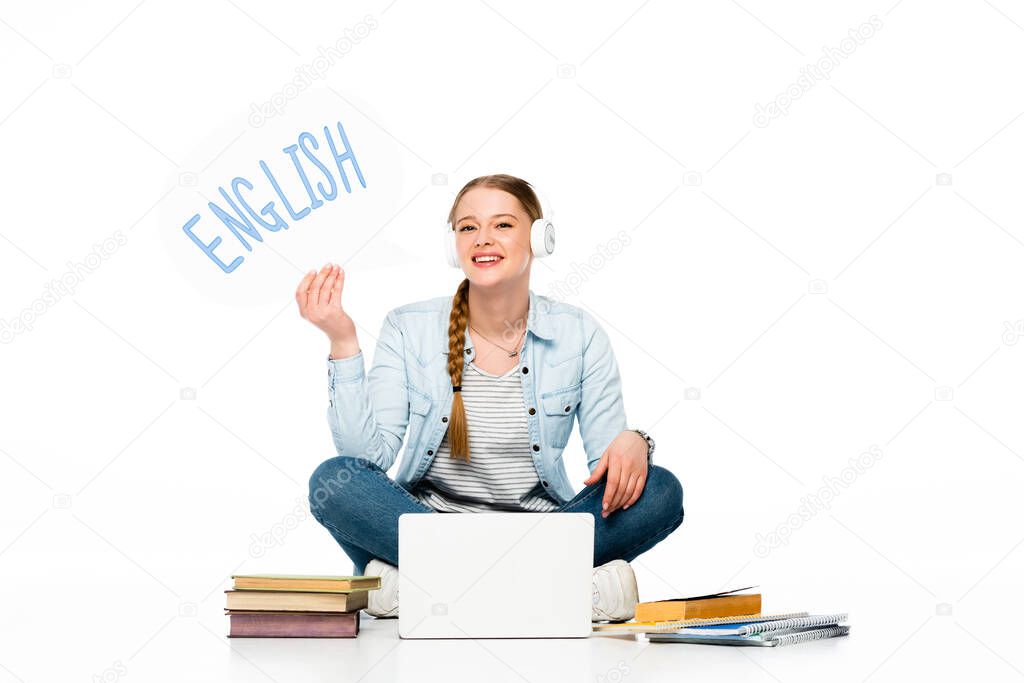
(297,606)
(727,618)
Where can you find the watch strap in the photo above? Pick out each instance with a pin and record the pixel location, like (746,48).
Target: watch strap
(650,444)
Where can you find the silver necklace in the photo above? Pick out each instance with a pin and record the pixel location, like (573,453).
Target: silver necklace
(511,354)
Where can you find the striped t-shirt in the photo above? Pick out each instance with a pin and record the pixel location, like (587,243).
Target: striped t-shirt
(500,474)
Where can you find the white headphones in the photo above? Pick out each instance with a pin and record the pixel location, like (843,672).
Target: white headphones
(542,236)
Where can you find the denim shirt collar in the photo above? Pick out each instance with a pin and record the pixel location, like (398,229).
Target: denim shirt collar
(538,321)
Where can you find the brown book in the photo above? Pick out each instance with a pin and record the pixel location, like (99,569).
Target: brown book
(247,624)
(302,582)
(727,604)
(302,601)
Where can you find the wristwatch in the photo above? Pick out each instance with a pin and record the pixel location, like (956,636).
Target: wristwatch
(650,443)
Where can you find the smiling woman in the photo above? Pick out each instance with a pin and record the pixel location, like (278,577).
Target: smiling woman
(487,426)
(240,220)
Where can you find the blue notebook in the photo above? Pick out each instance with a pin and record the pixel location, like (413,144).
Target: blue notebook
(771,633)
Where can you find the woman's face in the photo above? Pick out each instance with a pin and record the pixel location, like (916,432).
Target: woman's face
(492,222)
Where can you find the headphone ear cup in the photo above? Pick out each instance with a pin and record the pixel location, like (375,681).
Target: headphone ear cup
(451,254)
(542,238)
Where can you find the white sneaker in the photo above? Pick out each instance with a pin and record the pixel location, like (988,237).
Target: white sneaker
(382,602)
(615,593)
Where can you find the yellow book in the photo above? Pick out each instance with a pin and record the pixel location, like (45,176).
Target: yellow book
(302,582)
(725,604)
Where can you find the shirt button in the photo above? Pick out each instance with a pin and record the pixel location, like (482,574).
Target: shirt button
(526,370)
(536,447)
(568,408)
(445,419)
(430,452)
(543,483)
(533,411)
(468,351)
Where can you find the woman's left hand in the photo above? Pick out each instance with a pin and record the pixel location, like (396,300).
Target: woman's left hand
(625,462)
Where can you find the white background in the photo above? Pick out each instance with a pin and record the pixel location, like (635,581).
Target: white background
(846,276)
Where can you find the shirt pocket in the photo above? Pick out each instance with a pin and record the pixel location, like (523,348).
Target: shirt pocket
(559,408)
(419,409)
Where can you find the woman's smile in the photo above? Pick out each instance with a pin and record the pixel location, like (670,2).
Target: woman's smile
(486,260)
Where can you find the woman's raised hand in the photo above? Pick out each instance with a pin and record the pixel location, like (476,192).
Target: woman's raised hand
(319,300)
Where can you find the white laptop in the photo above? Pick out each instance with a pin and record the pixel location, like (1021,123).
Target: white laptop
(495,575)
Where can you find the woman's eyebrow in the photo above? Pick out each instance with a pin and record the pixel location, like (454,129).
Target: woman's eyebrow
(497,215)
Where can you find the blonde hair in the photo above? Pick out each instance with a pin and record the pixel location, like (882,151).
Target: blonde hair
(458,432)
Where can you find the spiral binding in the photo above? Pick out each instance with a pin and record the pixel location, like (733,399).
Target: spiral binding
(806,636)
(801,622)
(684,623)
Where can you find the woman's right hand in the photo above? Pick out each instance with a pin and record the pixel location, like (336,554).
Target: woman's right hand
(319,299)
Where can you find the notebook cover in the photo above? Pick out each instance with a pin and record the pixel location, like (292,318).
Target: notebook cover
(675,625)
(789,637)
(768,625)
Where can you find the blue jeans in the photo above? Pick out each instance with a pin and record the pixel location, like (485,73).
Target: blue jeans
(356,501)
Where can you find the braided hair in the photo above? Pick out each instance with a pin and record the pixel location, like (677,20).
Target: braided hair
(458,431)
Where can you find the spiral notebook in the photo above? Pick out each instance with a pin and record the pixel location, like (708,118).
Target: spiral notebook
(763,634)
(640,627)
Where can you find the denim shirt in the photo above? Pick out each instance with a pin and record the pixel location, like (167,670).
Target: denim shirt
(568,371)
